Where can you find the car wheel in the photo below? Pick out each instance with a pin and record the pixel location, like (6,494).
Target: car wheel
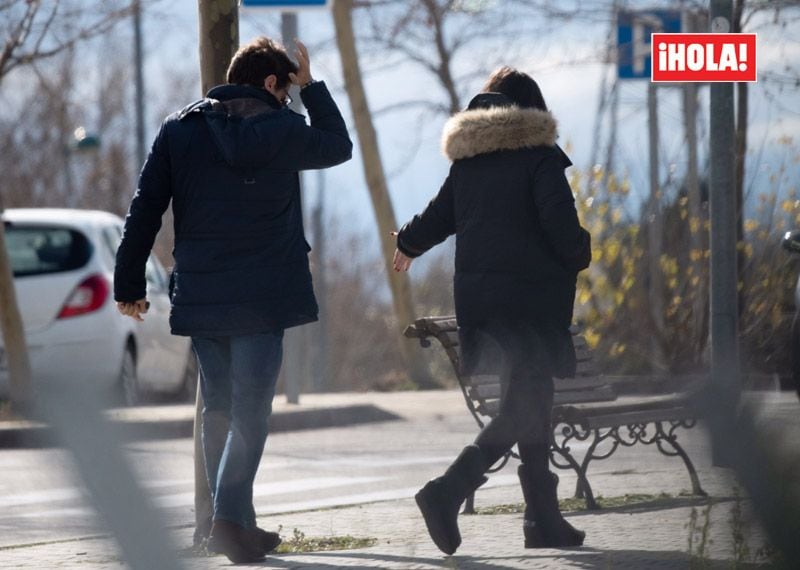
(188,391)
(128,380)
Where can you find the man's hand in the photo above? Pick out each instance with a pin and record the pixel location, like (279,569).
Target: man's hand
(134,310)
(401,261)
(303,74)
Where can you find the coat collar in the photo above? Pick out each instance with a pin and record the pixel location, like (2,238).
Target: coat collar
(485,130)
(231,91)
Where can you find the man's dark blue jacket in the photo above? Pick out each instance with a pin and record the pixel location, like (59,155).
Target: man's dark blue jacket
(230,164)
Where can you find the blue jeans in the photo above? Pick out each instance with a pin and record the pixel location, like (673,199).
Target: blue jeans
(237,379)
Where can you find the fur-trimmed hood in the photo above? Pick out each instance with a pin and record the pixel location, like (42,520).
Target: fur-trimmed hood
(485,130)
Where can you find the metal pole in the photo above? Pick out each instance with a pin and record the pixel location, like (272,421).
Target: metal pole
(724,314)
(70,198)
(321,374)
(696,216)
(295,339)
(138,64)
(655,231)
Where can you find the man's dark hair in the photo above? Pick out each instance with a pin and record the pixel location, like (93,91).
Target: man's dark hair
(517,86)
(259,59)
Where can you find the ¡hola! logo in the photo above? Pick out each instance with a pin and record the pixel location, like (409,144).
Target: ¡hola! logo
(703,57)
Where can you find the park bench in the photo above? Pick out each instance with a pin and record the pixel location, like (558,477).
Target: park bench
(586,408)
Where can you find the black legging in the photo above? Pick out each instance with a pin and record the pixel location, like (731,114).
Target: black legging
(526,402)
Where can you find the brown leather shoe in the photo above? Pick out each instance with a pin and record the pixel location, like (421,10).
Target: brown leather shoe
(265,540)
(235,542)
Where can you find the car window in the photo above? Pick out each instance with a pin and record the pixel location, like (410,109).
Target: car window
(158,272)
(37,250)
(111,238)
(153,273)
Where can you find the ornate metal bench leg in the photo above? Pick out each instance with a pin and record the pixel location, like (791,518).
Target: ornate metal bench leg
(586,493)
(583,485)
(580,492)
(667,435)
(469,505)
(696,488)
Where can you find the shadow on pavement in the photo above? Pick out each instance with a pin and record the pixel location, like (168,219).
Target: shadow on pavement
(152,426)
(584,558)
(661,504)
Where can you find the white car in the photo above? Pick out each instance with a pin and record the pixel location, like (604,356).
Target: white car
(63,264)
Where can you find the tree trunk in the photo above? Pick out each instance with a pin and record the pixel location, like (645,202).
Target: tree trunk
(13,331)
(219,40)
(376,182)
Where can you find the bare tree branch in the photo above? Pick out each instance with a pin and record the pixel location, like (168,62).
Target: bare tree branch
(32,26)
(18,35)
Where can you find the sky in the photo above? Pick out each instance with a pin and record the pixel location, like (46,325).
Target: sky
(561,55)
(563,62)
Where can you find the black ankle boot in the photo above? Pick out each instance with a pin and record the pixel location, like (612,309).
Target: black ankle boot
(544,527)
(440,499)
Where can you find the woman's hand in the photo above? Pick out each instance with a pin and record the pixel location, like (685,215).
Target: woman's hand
(303,74)
(401,261)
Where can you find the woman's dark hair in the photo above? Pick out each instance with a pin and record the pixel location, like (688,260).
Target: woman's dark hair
(517,86)
(258,60)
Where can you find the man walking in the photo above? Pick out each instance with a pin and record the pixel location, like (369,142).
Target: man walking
(229,164)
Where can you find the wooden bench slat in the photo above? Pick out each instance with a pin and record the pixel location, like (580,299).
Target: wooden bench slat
(586,368)
(485,391)
(602,394)
(636,417)
(575,395)
(483,387)
(440,324)
(490,407)
(448,339)
(624,404)
(480,379)
(582,383)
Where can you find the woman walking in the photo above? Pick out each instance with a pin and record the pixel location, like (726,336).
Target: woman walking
(519,248)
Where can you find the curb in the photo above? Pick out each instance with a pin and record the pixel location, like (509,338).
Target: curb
(30,435)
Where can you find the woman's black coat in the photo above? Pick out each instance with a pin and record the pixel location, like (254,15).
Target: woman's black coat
(519,245)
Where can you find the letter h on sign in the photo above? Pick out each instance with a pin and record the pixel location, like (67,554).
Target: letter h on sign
(634,29)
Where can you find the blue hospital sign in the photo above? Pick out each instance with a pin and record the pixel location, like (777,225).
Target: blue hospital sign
(633,39)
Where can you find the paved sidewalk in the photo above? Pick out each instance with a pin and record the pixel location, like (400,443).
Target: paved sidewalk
(649,536)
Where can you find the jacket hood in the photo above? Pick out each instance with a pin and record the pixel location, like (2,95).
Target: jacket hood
(244,123)
(492,124)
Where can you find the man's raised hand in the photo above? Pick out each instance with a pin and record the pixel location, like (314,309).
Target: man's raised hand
(303,74)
